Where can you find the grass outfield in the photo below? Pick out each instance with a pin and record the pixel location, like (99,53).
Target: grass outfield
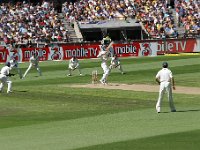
(43,114)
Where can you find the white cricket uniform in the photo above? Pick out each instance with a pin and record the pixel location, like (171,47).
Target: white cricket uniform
(14,65)
(34,62)
(104,58)
(115,63)
(165,76)
(5,79)
(74,64)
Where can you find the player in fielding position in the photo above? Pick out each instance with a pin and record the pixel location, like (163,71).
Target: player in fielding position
(73,65)
(4,78)
(34,62)
(165,79)
(115,63)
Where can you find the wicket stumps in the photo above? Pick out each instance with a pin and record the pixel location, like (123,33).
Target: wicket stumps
(94,76)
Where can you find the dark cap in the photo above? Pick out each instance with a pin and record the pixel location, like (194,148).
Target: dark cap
(165,64)
(7,64)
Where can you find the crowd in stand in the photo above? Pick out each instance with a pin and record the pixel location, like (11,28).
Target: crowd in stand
(92,10)
(188,12)
(155,15)
(27,23)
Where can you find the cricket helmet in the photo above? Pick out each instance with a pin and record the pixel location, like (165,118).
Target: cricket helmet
(165,64)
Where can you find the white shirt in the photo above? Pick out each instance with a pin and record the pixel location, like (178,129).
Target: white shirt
(103,54)
(5,70)
(73,63)
(33,61)
(164,75)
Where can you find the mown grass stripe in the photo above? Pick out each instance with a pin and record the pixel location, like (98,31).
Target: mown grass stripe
(101,129)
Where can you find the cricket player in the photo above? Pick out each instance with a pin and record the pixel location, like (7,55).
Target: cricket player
(115,63)
(14,65)
(73,65)
(103,54)
(165,79)
(34,62)
(4,77)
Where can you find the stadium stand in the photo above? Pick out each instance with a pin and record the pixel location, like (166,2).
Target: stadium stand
(48,21)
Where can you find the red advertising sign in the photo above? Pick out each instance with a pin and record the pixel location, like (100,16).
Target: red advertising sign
(83,51)
(80,51)
(127,49)
(176,46)
(42,53)
(4,54)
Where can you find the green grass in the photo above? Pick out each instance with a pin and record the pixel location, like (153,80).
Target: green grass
(43,113)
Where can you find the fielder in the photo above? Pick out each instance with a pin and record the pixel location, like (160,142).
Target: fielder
(4,77)
(14,65)
(73,65)
(115,63)
(165,79)
(103,54)
(34,62)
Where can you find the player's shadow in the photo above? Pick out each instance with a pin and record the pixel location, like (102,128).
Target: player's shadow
(190,110)
(182,111)
(23,91)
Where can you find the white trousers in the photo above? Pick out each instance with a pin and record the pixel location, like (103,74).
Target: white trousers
(4,79)
(165,86)
(106,71)
(30,66)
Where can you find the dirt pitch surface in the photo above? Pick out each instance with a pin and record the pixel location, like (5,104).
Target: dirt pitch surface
(139,87)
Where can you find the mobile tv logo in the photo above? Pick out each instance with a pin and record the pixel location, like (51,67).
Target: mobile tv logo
(81,52)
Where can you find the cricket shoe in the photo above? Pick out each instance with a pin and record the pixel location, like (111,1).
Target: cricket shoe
(101,81)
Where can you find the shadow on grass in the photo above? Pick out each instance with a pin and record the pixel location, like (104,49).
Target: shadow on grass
(180,111)
(20,91)
(188,110)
